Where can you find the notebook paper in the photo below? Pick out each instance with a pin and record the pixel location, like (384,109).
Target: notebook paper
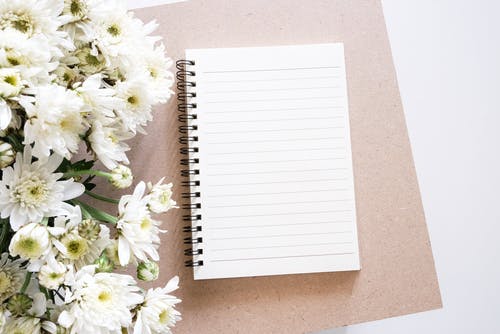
(275,164)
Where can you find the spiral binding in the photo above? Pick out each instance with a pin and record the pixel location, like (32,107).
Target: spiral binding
(188,138)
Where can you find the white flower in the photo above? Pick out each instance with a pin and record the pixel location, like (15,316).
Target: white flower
(55,121)
(77,9)
(5,114)
(160,197)
(7,154)
(23,325)
(35,17)
(121,177)
(157,314)
(98,99)
(10,82)
(157,65)
(82,251)
(30,191)
(106,140)
(138,233)
(99,303)
(139,98)
(12,273)
(52,274)
(28,325)
(31,242)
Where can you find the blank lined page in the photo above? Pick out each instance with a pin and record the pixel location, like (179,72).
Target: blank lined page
(276,178)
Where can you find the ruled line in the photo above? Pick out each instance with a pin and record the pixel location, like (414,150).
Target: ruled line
(273,69)
(279,151)
(275,140)
(279,193)
(268,90)
(284,246)
(278,257)
(277,79)
(279,203)
(279,225)
(280,214)
(281,235)
(274,161)
(276,120)
(281,99)
(275,109)
(274,130)
(276,182)
(279,171)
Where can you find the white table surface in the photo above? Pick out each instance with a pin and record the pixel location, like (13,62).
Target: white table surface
(447,57)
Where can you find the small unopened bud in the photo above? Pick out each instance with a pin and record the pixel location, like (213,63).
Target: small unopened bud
(104,264)
(7,154)
(121,177)
(148,271)
(89,229)
(19,304)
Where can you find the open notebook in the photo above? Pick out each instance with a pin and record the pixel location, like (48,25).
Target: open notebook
(268,157)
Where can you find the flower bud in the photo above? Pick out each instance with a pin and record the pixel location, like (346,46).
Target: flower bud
(121,177)
(7,154)
(160,197)
(89,229)
(19,304)
(148,271)
(104,264)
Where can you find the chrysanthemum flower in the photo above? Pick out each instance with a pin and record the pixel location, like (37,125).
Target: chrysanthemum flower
(138,233)
(157,314)
(30,191)
(99,303)
(12,274)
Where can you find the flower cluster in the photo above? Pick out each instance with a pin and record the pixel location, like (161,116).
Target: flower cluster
(76,75)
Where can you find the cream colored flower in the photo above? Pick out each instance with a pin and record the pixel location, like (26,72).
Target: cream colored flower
(12,273)
(30,242)
(160,197)
(55,121)
(99,303)
(30,191)
(121,177)
(138,233)
(157,315)
(7,154)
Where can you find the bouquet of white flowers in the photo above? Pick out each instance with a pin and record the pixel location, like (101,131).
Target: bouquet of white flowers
(77,73)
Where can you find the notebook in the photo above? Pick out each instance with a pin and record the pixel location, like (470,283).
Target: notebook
(267,147)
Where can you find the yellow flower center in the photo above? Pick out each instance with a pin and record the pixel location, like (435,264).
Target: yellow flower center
(164,317)
(5,282)
(19,21)
(76,248)
(133,100)
(28,247)
(146,224)
(105,297)
(30,192)
(11,80)
(114,30)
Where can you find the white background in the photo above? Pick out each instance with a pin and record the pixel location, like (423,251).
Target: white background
(447,56)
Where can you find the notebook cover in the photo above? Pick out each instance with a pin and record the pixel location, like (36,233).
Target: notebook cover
(398,275)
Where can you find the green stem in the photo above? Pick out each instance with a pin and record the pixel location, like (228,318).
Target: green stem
(96,213)
(92,172)
(102,198)
(85,213)
(27,280)
(4,234)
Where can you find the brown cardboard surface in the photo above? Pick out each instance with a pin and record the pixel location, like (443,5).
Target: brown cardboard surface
(397,275)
